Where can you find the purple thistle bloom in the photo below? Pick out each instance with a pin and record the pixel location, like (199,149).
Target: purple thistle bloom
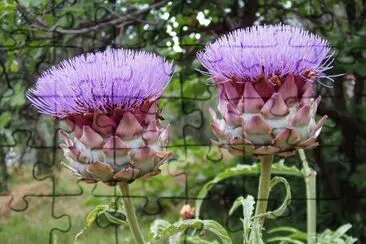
(264,76)
(247,54)
(109,101)
(102,81)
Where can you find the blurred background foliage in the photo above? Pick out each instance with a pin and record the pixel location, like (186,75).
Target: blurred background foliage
(36,34)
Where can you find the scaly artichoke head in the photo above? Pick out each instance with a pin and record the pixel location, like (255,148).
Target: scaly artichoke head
(109,100)
(265,77)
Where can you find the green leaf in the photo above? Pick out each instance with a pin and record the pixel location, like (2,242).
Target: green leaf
(279,211)
(293,232)
(115,214)
(283,229)
(256,237)
(198,240)
(358,178)
(110,211)
(238,202)
(277,168)
(14,66)
(157,226)
(114,206)
(115,220)
(272,214)
(163,229)
(25,3)
(90,218)
(342,230)
(338,236)
(217,229)
(299,237)
(284,239)
(28,3)
(248,208)
(5,118)
(6,8)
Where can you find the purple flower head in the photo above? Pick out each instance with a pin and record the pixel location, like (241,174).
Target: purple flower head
(264,76)
(101,81)
(247,54)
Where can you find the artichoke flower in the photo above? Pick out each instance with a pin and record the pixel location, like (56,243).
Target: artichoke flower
(265,77)
(109,101)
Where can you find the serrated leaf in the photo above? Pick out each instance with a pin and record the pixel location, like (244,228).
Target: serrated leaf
(163,230)
(158,225)
(337,236)
(90,218)
(257,236)
(350,240)
(248,208)
(92,215)
(175,238)
(299,237)
(277,168)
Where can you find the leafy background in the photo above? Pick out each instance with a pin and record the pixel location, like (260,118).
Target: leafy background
(36,34)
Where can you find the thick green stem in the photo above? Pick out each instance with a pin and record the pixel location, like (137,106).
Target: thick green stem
(263,189)
(130,214)
(310,184)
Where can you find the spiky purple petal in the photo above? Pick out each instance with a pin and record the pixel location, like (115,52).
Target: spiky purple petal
(101,81)
(246,54)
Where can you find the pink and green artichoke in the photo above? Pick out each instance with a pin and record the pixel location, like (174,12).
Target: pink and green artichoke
(109,101)
(265,77)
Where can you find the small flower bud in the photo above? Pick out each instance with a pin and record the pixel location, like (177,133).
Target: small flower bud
(187,212)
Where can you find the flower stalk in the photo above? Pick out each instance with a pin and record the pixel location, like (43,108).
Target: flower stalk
(131,215)
(310,185)
(263,189)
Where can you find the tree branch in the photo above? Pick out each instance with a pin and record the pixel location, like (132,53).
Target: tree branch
(39,24)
